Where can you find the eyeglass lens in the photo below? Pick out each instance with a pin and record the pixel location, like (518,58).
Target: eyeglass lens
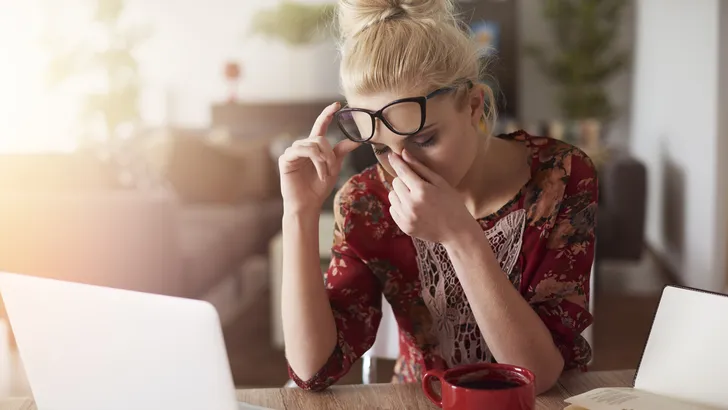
(403,117)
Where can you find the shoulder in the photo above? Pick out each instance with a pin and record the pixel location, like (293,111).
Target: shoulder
(577,167)
(561,170)
(559,161)
(559,156)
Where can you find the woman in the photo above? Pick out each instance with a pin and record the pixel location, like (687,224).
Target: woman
(483,245)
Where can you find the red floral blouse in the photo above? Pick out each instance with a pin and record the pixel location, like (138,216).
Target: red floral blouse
(543,239)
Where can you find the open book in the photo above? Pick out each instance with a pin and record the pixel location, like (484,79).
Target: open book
(685,363)
(246,406)
(620,398)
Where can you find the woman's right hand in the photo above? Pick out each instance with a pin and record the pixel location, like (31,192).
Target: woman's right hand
(310,167)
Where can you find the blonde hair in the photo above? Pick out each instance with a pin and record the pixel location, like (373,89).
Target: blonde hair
(405,45)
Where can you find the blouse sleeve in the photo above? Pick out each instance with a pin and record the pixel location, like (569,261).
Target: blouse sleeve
(560,287)
(355,296)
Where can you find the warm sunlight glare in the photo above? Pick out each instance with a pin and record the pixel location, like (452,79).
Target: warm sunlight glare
(32,119)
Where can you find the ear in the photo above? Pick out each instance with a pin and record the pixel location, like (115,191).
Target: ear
(476,104)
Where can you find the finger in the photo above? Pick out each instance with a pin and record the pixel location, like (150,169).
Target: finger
(327,151)
(299,152)
(344,147)
(308,143)
(314,143)
(402,192)
(403,170)
(321,126)
(425,173)
(394,199)
(322,142)
(396,217)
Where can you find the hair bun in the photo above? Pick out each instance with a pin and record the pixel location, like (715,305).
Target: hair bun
(358,15)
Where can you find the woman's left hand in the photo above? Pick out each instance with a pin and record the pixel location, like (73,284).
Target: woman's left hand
(423,204)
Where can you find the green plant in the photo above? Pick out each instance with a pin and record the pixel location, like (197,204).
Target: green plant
(294,23)
(585,57)
(101,65)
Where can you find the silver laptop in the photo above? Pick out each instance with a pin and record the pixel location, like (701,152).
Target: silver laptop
(95,348)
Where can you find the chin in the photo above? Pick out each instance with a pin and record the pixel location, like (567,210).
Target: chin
(452,178)
(458,174)
(455,182)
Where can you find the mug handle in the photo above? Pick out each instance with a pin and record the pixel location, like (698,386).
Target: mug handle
(427,380)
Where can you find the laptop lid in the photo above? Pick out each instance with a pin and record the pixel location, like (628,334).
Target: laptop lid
(686,354)
(87,347)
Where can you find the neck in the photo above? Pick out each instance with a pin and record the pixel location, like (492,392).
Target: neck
(495,177)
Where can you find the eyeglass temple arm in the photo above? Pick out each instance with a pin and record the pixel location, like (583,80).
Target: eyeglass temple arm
(447,89)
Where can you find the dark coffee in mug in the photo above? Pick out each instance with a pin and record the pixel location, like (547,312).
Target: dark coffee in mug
(494,386)
(488,384)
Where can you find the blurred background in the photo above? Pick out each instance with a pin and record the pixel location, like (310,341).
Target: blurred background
(139,139)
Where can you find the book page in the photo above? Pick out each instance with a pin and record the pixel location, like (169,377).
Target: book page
(685,352)
(628,398)
(246,406)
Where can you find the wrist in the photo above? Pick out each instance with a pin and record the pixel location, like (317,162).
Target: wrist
(301,217)
(301,211)
(468,234)
(470,243)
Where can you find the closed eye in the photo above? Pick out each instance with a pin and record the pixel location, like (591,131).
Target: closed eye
(425,141)
(420,141)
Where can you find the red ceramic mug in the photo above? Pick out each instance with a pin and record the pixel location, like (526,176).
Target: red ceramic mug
(485,385)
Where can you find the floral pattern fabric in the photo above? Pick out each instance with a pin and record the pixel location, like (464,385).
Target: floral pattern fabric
(372,257)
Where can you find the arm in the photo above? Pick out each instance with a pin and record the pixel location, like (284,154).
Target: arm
(312,328)
(309,329)
(513,331)
(328,324)
(541,333)
(540,330)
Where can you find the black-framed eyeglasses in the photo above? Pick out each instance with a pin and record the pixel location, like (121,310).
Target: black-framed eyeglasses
(404,117)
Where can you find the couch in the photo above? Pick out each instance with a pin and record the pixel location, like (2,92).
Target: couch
(205,239)
(622,208)
(135,241)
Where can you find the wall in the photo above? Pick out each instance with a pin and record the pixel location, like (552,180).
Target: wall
(537,93)
(722,222)
(23,97)
(182,62)
(675,132)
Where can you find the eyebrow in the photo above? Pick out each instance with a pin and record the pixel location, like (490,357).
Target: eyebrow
(425,128)
(407,137)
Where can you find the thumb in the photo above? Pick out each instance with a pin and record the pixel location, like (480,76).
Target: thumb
(344,147)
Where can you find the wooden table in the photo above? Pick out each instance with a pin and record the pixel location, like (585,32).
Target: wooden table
(392,396)
(410,396)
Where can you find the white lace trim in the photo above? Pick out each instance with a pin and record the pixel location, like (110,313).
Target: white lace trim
(454,325)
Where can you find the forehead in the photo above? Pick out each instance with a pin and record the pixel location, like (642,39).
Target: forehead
(375,102)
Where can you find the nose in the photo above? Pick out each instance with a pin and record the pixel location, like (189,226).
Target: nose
(397,148)
(384,135)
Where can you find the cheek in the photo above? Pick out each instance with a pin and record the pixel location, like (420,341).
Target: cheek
(441,161)
(382,159)
(450,161)
(434,161)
